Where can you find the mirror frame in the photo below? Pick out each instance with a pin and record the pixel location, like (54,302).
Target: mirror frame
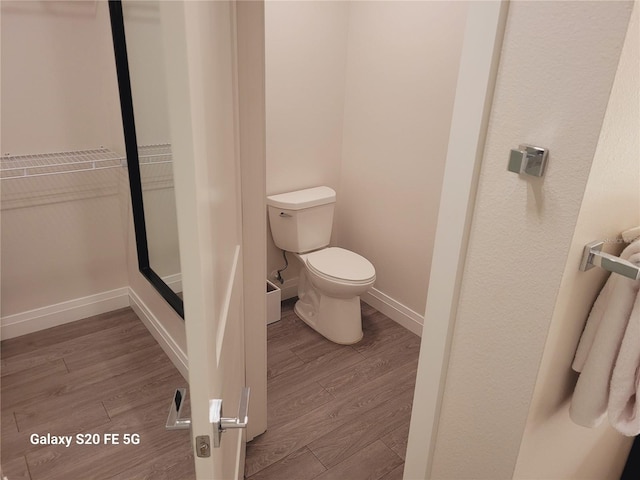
(133,163)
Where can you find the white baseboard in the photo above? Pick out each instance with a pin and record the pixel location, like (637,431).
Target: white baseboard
(64,312)
(395,310)
(289,288)
(382,302)
(177,356)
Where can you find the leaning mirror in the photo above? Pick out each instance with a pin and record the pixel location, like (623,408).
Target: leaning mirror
(137,40)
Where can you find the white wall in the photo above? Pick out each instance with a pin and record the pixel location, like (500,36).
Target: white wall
(611,204)
(55,89)
(402,66)
(306,48)
(522,228)
(360,97)
(62,236)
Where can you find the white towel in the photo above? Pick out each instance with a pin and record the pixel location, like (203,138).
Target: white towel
(600,344)
(624,408)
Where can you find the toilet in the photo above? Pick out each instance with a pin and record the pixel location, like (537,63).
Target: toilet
(331,278)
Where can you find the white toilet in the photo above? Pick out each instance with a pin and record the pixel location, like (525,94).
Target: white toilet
(331,279)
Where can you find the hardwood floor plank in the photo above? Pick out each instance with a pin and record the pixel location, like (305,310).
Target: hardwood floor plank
(101,353)
(91,381)
(104,461)
(115,364)
(349,378)
(370,463)
(8,422)
(69,419)
(381,333)
(288,382)
(281,361)
(315,347)
(277,443)
(345,440)
(395,474)
(18,443)
(396,440)
(289,332)
(86,343)
(69,331)
(144,393)
(33,374)
(299,465)
(281,410)
(16,469)
(167,467)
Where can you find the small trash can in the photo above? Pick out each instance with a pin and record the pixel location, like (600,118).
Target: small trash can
(274,294)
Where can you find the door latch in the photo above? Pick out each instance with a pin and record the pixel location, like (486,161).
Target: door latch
(220,423)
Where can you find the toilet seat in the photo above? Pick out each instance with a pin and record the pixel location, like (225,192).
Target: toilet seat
(341,265)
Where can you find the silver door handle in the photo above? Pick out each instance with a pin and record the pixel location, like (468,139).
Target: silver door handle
(174,421)
(220,423)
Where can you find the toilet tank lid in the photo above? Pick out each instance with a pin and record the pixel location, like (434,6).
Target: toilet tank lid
(309,197)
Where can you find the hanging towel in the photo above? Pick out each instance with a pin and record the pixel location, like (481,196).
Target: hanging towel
(600,344)
(624,409)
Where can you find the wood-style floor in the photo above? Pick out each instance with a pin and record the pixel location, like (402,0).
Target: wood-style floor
(336,412)
(102,375)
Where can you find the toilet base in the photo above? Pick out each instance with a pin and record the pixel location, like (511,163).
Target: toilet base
(336,319)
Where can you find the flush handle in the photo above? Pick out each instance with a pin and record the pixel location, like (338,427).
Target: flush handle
(528,160)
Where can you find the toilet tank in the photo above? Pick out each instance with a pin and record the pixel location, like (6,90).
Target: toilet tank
(301,221)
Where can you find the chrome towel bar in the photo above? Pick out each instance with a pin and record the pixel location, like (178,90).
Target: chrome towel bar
(593,256)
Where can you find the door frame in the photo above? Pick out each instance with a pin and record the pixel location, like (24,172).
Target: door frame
(251,126)
(476,80)
(481,47)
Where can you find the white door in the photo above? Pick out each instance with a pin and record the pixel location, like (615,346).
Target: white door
(199,44)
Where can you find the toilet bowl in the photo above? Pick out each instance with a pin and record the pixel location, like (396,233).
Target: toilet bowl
(329,287)
(331,278)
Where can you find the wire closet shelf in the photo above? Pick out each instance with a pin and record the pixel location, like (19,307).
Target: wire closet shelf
(81,161)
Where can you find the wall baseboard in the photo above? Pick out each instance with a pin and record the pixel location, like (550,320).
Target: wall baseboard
(289,288)
(64,312)
(177,356)
(395,310)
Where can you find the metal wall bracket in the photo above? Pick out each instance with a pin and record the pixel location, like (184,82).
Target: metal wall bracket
(220,423)
(593,256)
(529,160)
(174,420)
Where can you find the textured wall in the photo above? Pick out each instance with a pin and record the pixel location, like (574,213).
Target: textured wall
(359,97)
(56,87)
(552,90)
(611,204)
(305,45)
(59,93)
(402,66)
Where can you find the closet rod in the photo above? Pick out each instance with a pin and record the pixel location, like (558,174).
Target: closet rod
(593,256)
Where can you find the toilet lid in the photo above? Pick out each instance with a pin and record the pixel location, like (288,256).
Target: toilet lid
(341,264)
